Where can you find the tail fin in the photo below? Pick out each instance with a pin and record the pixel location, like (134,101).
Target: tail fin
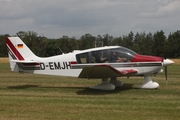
(18,51)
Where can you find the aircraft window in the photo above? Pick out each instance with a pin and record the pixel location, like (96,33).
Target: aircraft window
(83,58)
(100,56)
(121,55)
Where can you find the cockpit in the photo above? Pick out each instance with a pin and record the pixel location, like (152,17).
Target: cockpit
(106,55)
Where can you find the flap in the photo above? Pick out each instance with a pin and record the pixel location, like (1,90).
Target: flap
(103,71)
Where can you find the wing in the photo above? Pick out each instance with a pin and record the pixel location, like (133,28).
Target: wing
(104,71)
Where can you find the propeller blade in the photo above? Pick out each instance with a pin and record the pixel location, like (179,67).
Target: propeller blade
(166,75)
(165,64)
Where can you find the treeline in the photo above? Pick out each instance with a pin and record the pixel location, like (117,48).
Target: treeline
(143,43)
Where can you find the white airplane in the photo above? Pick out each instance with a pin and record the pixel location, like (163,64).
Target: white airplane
(107,62)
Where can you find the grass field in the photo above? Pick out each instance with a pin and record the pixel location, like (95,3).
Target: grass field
(26,96)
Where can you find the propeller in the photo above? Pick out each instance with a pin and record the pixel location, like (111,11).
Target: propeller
(165,67)
(165,64)
(165,70)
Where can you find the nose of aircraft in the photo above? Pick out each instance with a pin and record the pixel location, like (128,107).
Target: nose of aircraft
(167,62)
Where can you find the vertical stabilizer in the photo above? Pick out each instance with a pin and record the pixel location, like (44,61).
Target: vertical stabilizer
(18,51)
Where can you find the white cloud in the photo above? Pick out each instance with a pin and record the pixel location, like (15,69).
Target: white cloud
(56,18)
(164,9)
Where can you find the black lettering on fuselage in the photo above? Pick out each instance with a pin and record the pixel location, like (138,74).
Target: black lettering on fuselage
(55,65)
(63,65)
(42,66)
(51,66)
(68,65)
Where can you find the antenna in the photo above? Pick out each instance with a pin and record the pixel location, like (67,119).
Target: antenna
(59,49)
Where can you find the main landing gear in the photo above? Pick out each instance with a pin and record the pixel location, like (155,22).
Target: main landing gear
(108,85)
(113,83)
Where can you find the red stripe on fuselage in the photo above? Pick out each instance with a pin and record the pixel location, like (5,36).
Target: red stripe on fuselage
(73,62)
(13,49)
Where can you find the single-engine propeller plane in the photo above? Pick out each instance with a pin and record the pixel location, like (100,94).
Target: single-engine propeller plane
(106,63)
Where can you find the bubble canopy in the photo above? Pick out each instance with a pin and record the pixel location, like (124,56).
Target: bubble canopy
(105,54)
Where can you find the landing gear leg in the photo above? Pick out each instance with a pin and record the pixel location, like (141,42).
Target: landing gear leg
(148,84)
(115,82)
(105,85)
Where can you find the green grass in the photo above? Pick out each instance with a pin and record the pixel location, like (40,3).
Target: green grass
(26,96)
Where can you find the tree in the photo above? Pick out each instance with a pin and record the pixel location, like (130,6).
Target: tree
(63,44)
(148,44)
(159,43)
(139,44)
(107,39)
(21,34)
(86,41)
(99,41)
(73,44)
(117,41)
(51,49)
(142,43)
(3,48)
(173,45)
(41,46)
(34,42)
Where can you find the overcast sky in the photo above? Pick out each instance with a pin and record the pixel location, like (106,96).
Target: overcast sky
(74,18)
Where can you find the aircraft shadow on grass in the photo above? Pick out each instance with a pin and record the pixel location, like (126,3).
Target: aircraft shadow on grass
(88,91)
(80,90)
(23,86)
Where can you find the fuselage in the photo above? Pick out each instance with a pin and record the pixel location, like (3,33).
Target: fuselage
(71,64)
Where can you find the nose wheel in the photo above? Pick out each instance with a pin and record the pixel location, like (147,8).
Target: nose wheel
(148,84)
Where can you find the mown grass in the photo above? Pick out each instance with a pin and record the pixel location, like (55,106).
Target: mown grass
(26,96)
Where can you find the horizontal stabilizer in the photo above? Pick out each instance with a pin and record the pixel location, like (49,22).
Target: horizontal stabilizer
(23,61)
(103,71)
(27,64)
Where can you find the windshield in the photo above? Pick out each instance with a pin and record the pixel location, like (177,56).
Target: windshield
(121,55)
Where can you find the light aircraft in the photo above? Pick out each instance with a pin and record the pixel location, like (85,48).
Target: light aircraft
(106,63)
